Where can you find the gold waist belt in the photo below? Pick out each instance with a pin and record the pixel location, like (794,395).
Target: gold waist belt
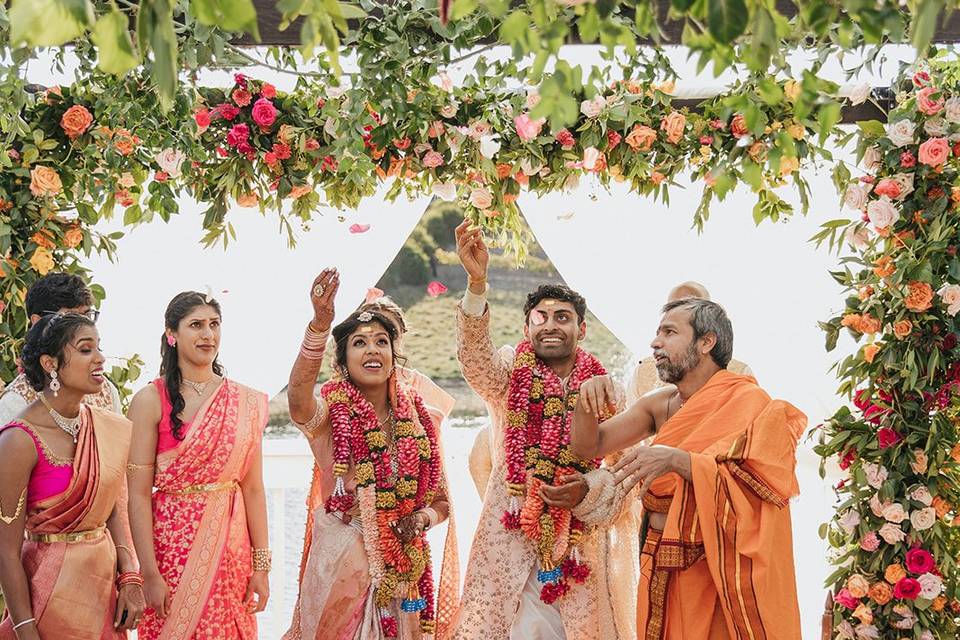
(69,538)
(204,488)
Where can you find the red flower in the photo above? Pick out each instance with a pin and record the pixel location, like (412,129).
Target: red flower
(402,144)
(706,140)
(264,113)
(282,151)
(908,160)
(921,78)
(553,592)
(717,124)
(436,289)
(919,561)
(270,157)
(848,459)
(202,118)
(245,149)
(311,144)
(613,139)
(161,176)
(268,90)
(222,152)
(888,437)
(565,138)
(950,342)
(510,520)
(240,80)
(237,134)
(329,164)
(241,97)
(907,589)
(226,111)
(845,599)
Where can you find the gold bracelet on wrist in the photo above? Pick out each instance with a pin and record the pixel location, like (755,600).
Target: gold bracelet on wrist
(262,559)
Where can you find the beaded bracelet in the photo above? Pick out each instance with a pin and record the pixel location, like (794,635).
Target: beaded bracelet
(262,559)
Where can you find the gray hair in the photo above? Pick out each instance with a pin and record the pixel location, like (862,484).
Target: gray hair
(708,317)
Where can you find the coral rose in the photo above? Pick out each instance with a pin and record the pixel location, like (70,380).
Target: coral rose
(902,328)
(934,152)
(919,297)
(202,118)
(883,267)
(73,237)
(894,573)
(869,324)
(641,138)
(880,592)
(940,506)
(738,126)
(125,142)
(673,125)
(44,181)
(75,121)
(927,103)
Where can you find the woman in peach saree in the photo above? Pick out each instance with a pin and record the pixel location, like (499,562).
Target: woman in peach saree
(62,530)
(378,485)
(202,534)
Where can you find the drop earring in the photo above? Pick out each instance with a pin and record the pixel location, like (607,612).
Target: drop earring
(171,341)
(54,383)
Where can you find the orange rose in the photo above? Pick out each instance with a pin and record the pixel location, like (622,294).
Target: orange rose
(865,292)
(870,352)
(920,297)
(881,593)
(884,267)
(673,125)
(852,321)
(863,614)
(869,324)
(504,170)
(124,198)
(300,190)
(44,181)
(41,261)
(73,237)
(788,165)
(247,200)
(902,328)
(939,603)
(656,177)
(941,507)
(894,573)
(125,142)
(75,121)
(43,238)
(955,453)
(641,138)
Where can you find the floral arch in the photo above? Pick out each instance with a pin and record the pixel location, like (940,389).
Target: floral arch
(136,130)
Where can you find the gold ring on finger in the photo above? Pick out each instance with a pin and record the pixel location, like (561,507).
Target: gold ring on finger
(318,290)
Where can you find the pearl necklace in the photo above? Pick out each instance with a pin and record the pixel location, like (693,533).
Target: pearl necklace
(70,425)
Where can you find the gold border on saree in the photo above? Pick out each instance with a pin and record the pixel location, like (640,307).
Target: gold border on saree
(232,485)
(69,538)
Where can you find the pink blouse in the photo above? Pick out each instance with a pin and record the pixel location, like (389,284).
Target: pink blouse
(51,475)
(165,439)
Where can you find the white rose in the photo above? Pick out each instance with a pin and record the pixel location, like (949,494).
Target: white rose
(922,495)
(876,474)
(871,158)
(926,635)
(923,519)
(950,295)
(892,533)
(590,157)
(860,93)
(876,506)
(481,198)
(855,197)
(171,161)
(446,191)
(479,129)
(592,108)
(951,109)
(844,631)
(858,237)
(905,182)
(449,110)
(930,586)
(900,132)
(489,146)
(882,213)
(919,464)
(935,127)
(894,513)
(849,521)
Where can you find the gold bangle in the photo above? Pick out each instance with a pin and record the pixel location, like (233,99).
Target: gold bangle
(133,466)
(262,559)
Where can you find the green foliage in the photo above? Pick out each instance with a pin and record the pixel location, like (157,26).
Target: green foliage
(440,221)
(411,266)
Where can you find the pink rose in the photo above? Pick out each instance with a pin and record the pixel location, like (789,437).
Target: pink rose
(846,599)
(908,160)
(882,213)
(565,138)
(919,561)
(238,134)
(926,103)
(436,288)
(268,90)
(527,129)
(264,113)
(892,533)
(359,228)
(226,111)
(432,159)
(934,152)
(950,295)
(870,542)
(481,198)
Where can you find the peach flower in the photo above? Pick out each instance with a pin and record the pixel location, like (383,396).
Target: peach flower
(857,585)
(73,237)
(481,198)
(124,142)
(919,298)
(641,138)
(42,261)
(894,573)
(934,152)
(881,593)
(75,121)
(870,352)
(950,296)
(248,200)
(788,165)
(673,125)
(44,181)
(902,328)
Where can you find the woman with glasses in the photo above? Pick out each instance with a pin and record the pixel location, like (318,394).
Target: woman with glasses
(55,293)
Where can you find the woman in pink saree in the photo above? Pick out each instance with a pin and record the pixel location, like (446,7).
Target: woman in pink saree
(378,485)
(66,565)
(202,534)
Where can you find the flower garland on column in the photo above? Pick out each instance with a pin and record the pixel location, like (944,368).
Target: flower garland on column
(384,496)
(894,540)
(537,442)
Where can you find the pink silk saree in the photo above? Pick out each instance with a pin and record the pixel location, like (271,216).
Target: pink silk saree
(199,521)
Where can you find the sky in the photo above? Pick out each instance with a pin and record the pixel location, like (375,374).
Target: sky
(622,251)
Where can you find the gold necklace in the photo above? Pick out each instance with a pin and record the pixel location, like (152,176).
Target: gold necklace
(70,425)
(199,387)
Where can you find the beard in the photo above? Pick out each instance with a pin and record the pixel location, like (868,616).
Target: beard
(673,372)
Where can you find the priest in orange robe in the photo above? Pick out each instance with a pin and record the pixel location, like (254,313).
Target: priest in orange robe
(717,552)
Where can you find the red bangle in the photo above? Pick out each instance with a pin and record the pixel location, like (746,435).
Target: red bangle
(130,577)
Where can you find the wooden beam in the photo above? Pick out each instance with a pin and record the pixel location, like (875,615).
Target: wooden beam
(268,19)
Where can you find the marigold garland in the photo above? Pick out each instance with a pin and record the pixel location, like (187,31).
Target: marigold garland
(386,496)
(537,441)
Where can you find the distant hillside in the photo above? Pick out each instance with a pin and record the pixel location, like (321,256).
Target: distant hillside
(430,346)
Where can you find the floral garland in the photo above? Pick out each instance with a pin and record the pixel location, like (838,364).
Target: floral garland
(537,442)
(385,497)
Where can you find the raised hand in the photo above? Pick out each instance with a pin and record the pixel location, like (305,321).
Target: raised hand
(472,251)
(323,291)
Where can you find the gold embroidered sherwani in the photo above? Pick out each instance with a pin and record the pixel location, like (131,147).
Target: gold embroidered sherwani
(501,560)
